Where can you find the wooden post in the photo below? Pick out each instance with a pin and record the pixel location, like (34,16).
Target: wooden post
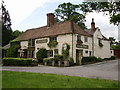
(59,63)
(53,63)
(66,63)
(45,63)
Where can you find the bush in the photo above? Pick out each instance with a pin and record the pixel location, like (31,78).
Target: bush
(58,57)
(18,62)
(99,59)
(12,51)
(48,60)
(42,53)
(52,43)
(113,57)
(86,60)
(71,61)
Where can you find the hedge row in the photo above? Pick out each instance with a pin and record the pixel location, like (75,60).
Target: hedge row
(93,59)
(18,62)
(87,60)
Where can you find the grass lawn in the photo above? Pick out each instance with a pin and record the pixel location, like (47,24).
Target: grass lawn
(13,79)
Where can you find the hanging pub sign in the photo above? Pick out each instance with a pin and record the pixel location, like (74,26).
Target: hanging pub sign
(42,41)
(82,46)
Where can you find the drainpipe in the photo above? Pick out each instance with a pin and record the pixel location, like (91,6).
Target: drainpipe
(72,45)
(93,45)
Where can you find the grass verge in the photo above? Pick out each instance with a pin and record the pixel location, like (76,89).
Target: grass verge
(11,79)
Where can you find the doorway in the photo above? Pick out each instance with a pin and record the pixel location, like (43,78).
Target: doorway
(79,55)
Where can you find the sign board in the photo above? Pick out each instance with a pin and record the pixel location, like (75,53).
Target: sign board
(42,41)
(82,46)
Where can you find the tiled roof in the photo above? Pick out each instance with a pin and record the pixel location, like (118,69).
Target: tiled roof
(56,29)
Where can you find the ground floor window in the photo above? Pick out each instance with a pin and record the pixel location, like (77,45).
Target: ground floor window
(50,53)
(90,53)
(55,51)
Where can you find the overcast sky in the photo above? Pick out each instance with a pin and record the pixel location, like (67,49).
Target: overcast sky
(26,14)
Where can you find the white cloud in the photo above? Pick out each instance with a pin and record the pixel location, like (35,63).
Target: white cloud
(102,21)
(21,9)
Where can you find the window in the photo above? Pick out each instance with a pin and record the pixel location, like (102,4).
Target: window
(53,38)
(86,51)
(55,51)
(31,42)
(50,53)
(99,40)
(111,51)
(78,37)
(90,53)
(85,38)
(38,48)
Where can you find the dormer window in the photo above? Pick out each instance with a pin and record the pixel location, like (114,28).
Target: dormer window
(53,38)
(85,38)
(79,41)
(31,42)
(78,37)
(100,42)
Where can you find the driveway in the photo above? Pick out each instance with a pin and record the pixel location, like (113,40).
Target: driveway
(105,70)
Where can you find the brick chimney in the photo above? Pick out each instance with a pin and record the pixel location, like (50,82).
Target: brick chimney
(50,19)
(92,25)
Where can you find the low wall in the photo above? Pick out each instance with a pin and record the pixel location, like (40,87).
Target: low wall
(117,53)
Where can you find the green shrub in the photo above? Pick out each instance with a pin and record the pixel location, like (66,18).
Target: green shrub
(71,61)
(12,51)
(86,60)
(113,57)
(99,59)
(65,52)
(48,60)
(58,57)
(42,53)
(52,43)
(18,62)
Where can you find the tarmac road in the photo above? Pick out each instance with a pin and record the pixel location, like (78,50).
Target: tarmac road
(104,70)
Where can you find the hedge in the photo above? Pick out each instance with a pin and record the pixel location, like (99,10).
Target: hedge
(87,60)
(48,59)
(58,57)
(19,62)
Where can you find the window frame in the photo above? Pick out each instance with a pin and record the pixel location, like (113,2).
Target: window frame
(56,50)
(53,38)
(85,38)
(50,53)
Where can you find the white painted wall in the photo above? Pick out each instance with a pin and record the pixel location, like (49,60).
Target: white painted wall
(102,52)
(89,43)
(24,44)
(61,39)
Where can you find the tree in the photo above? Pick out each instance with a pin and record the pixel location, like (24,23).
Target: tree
(16,33)
(112,40)
(69,11)
(42,53)
(6,26)
(109,8)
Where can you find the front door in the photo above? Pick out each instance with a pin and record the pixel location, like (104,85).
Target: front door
(79,55)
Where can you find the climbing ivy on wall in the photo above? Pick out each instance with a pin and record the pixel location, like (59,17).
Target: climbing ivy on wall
(65,52)
(52,44)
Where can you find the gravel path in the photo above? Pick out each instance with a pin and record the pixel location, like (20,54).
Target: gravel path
(105,70)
